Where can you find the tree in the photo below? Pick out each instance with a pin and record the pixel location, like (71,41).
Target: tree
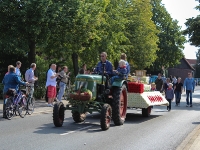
(27,25)
(141,33)
(171,40)
(192,30)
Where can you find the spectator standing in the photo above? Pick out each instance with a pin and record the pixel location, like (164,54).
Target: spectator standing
(18,66)
(178,89)
(63,82)
(11,80)
(153,87)
(159,83)
(30,78)
(174,81)
(83,69)
(124,57)
(169,95)
(171,79)
(189,85)
(51,85)
(46,98)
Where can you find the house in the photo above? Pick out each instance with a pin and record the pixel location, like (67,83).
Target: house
(182,69)
(192,62)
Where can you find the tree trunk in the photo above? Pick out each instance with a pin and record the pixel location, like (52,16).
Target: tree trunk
(116,64)
(75,63)
(31,54)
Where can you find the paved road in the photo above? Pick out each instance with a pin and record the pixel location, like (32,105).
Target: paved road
(161,131)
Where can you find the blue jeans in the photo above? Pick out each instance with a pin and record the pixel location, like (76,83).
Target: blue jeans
(62,87)
(189,92)
(178,96)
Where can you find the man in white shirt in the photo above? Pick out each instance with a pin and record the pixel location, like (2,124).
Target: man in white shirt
(18,66)
(51,85)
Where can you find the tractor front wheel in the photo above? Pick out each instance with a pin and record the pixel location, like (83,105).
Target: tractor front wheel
(78,117)
(58,114)
(106,114)
(146,111)
(119,105)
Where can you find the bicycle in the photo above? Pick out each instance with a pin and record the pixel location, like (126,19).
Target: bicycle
(15,102)
(30,100)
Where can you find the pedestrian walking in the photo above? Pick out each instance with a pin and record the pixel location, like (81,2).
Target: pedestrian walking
(30,78)
(169,94)
(46,97)
(51,85)
(178,89)
(189,85)
(159,83)
(11,80)
(18,66)
(63,82)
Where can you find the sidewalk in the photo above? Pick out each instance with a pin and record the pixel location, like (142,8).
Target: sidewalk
(40,107)
(192,141)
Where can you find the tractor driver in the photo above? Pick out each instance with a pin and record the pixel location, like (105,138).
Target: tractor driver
(108,65)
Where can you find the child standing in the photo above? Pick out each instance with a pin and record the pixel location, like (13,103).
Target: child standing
(121,72)
(169,95)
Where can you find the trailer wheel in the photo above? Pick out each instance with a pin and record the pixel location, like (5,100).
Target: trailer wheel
(119,105)
(58,114)
(106,114)
(146,111)
(77,117)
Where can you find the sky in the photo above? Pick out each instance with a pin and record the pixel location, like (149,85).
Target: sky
(182,10)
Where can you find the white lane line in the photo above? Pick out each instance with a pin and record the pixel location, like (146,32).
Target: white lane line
(76,130)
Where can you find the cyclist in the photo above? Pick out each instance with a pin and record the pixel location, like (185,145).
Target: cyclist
(11,80)
(30,78)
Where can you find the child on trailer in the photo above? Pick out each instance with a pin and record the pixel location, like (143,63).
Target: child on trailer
(169,95)
(153,87)
(121,72)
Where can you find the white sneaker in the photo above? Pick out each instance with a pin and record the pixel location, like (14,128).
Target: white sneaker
(49,105)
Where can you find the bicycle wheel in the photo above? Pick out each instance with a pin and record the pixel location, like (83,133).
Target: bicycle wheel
(9,108)
(22,107)
(31,105)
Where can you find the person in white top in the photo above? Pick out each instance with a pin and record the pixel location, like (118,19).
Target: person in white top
(51,85)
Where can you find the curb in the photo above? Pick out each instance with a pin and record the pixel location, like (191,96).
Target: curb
(190,139)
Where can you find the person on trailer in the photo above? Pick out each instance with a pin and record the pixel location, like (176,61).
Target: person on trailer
(11,80)
(124,57)
(63,82)
(30,78)
(121,72)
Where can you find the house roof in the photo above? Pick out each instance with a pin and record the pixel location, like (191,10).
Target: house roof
(189,64)
(192,61)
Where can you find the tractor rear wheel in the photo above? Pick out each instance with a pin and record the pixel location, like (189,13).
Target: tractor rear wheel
(146,111)
(78,117)
(119,105)
(58,114)
(106,114)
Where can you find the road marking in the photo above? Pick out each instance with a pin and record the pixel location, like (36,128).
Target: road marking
(76,130)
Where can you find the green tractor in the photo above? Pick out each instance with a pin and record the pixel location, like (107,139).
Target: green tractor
(92,94)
